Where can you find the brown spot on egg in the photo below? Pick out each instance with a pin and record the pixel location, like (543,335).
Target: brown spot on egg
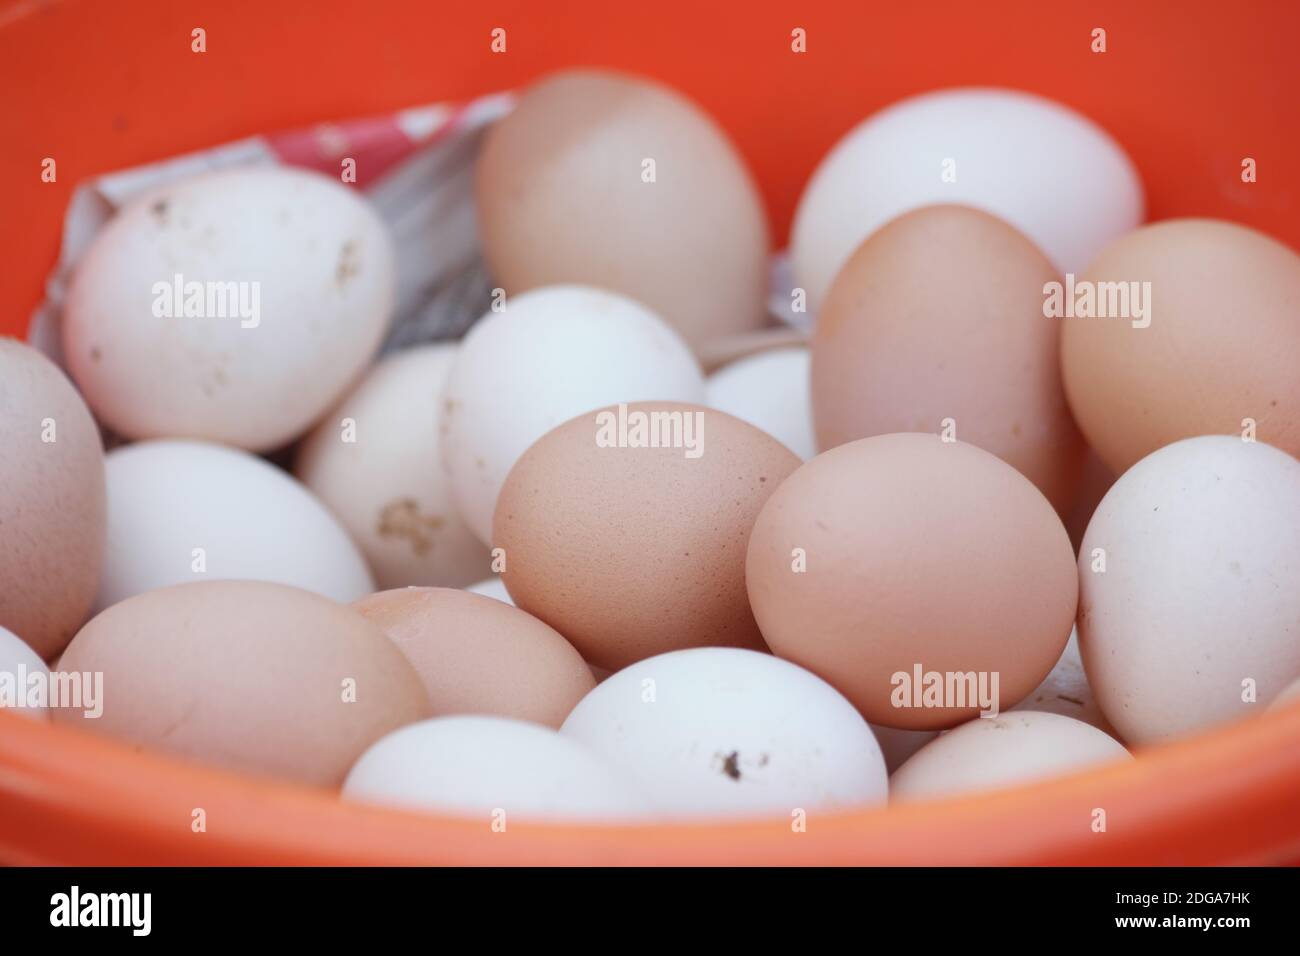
(402,519)
(349,264)
(731,764)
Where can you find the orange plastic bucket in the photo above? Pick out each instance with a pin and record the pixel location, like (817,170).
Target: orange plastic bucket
(1191,89)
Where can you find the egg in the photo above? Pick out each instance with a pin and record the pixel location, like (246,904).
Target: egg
(936,323)
(611,180)
(19,667)
(770,390)
(52,501)
(548,355)
(234,306)
(989,753)
(1188,611)
(492,587)
(1192,331)
(725,732)
(1066,691)
(492,769)
(630,550)
(248,675)
(480,656)
(1047,170)
(374,460)
(181,511)
(927,581)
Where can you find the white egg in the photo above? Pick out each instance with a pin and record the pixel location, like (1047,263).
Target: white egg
(549,355)
(1049,171)
(493,587)
(233,306)
(1194,617)
(771,390)
(492,768)
(374,460)
(726,732)
(181,511)
(991,752)
(18,663)
(1066,691)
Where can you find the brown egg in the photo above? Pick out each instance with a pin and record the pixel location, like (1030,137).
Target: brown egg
(631,551)
(905,552)
(255,676)
(610,180)
(939,316)
(478,655)
(1217,346)
(52,505)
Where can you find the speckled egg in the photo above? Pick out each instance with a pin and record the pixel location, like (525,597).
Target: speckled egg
(630,550)
(53,520)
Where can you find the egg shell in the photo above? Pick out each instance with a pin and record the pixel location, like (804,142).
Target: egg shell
(1201,553)
(181,511)
(374,460)
(548,355)
(566,192)
(315,270)
(633,551)
(724,732)
(1217,348)
(770,390)
(1052,173)
(992,752)
(253,676)
(492,769)
(17,663)
(938,317)
(52,501)
(904,550)
(477,655)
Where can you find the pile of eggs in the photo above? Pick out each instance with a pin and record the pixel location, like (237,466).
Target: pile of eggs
(1026,499)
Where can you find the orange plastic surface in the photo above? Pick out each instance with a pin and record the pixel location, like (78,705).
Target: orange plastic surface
(1189,88)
